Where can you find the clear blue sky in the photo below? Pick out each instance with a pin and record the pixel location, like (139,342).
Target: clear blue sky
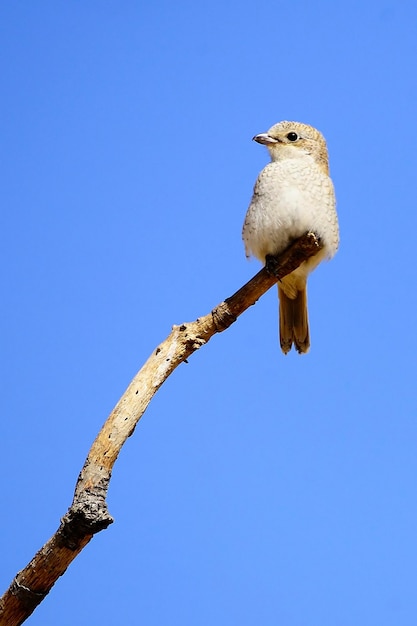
(258,488)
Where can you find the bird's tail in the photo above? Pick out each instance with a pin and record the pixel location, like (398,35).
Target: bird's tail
(293,321)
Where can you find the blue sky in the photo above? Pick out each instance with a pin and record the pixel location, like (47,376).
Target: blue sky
(258,488)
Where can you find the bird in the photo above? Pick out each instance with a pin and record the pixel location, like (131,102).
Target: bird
(293,195)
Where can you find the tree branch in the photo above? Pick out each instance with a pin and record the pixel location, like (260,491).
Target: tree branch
(88,512)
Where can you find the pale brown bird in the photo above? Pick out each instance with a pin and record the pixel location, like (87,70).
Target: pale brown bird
(293,195)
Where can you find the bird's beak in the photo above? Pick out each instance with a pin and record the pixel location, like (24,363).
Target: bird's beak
(265,139)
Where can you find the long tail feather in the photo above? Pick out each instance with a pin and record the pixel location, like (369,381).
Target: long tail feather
(293,321)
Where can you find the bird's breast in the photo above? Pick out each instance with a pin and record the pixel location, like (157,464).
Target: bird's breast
(289,199)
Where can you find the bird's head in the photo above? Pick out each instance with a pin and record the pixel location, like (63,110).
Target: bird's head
(293,139)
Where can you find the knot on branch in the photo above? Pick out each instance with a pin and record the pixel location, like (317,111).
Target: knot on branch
(190,337)
(26,596)
(194,343)
(222,317)
(87,516)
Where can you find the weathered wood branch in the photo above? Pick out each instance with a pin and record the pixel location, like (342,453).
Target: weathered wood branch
(88,512)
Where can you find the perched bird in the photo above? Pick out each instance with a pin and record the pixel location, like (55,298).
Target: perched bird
(293,195)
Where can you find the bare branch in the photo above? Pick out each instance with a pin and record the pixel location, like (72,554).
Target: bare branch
(88,513)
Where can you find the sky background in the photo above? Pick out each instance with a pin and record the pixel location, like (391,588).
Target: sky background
(257,488)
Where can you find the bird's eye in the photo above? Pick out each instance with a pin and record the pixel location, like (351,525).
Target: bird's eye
(292,136)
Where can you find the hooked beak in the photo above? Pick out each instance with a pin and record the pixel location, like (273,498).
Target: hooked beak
(265,139)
